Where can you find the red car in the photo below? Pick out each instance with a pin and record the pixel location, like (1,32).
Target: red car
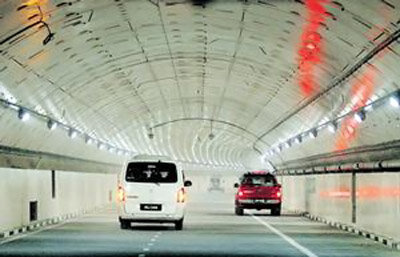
(258,190)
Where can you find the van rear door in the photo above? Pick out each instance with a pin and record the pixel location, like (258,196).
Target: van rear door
(151,187)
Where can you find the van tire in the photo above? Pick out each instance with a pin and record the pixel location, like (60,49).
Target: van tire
(124,224)
(179,224)
(238,211)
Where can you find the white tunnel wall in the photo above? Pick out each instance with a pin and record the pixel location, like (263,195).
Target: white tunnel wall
(329,196)
(378,203)
(212,185)
(75,192)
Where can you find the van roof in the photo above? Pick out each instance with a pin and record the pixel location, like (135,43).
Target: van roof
(146,157)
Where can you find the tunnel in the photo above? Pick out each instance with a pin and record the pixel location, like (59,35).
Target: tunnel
(305,91)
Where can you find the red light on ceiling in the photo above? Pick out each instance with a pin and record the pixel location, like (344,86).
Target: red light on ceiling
(311,46)
(362,89)
(309,53)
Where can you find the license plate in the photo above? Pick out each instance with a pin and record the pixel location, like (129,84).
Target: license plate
(259,201)
(150,207)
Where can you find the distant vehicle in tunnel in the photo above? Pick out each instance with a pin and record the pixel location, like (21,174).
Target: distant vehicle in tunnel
(152,190)
(258,190)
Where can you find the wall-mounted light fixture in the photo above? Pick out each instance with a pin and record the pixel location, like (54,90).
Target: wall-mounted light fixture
(23,114)
(332,127)
(313,133)
(89,140)
(51,124)
(101,146)
(360,116)
(72,133)
(395,99)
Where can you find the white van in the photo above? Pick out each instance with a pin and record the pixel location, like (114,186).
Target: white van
(152,189)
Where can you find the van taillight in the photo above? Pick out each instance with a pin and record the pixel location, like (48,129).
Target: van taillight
(181,197)
(121,196)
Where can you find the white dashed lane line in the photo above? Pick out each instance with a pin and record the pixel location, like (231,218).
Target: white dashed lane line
(150,244)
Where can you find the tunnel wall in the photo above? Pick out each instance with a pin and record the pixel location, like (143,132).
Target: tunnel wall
(377,199)
(212,185)
(74,192)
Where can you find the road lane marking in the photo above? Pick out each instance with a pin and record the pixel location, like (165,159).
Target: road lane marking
(288,239)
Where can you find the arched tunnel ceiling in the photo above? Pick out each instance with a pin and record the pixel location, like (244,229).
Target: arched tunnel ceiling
(120,70)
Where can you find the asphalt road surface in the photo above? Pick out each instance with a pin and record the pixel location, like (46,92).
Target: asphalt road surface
(210,229)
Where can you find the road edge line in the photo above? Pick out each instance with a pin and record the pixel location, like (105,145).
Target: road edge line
(287,238)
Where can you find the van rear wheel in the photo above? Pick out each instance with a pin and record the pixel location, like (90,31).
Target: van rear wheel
(124,224)
(179,224)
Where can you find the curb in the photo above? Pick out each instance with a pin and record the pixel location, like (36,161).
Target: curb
(44,223)
(36,225)
(387,241)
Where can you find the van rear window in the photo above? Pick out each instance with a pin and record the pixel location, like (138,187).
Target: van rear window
(151,172)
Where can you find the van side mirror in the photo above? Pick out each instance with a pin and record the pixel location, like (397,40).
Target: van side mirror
(187,183)
(236,185)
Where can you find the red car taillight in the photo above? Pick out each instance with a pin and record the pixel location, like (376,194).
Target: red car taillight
(121,195)
(181,196)
(278,193)
(240,193)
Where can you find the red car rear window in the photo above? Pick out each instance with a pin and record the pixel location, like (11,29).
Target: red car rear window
(258,180)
